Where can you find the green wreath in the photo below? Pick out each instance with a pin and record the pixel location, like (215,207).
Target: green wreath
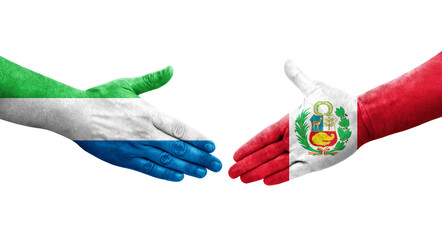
(344,133)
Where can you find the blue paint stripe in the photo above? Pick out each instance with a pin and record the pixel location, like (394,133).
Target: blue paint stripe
(157,158)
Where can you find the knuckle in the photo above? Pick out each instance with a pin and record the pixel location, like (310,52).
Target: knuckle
(157,120)
(203,159)
(179,148)
(142,132)
(147,79)
(168,174)
(179,130)
(189,168)
(165,158)
(147,167)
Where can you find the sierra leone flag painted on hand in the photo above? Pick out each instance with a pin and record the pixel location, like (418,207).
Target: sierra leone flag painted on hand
(110,121)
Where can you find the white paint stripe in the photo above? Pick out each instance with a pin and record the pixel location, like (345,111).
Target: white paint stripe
(96,118)
(315,163)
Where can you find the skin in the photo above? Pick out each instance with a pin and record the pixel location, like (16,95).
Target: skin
(275,155)
(126,131)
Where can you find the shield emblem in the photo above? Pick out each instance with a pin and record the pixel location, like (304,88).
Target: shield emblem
(323,133)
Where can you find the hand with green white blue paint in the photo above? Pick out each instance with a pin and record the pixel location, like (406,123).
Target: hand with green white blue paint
(109,121)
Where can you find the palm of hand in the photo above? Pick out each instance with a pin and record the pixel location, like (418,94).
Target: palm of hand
(306,140)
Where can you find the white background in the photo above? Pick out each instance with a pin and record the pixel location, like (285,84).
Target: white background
(229,83)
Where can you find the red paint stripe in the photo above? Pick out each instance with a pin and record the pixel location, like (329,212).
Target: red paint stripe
(277,178)
(264,147)
(408,101)
(271,134)
(275,165)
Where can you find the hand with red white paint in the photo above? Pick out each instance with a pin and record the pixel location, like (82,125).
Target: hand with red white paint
(280,153)
(109,121)
(331,125)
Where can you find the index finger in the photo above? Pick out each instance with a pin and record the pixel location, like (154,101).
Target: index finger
(182,131)
(271,134)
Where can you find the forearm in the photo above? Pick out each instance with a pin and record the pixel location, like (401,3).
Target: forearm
(408,101)
(56,115)
(19,82)
(21,95)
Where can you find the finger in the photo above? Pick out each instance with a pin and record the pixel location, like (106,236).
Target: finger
(271,134)
(278,177)
(299,78)
(257,158)
(187,152)
(179,130)
(275,165)
(295,170)
(150,81)
(167,160)
(148,167)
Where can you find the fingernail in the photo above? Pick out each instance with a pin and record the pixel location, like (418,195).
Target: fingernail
(201,172)
(179,176)
(232,172)
(210,147)
(216,166)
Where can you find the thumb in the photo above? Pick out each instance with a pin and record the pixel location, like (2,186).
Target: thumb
(150,81)
(299,78)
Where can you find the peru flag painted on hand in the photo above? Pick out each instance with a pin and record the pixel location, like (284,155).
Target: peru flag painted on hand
(109,121)
(331,125)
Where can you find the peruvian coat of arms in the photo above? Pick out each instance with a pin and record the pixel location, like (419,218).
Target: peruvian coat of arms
(328,131)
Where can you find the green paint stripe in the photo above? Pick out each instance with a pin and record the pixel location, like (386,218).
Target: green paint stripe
(19,82)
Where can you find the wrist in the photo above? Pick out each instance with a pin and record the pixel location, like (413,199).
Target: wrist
(64,116)
(45,113)
(364,124)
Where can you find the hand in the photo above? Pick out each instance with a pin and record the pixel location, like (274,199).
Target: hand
(112,123)
(318,134)
(130,133)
